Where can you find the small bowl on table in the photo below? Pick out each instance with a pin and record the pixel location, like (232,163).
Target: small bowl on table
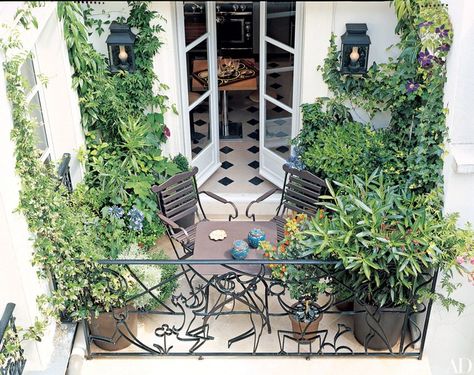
(240,250)
(255,236)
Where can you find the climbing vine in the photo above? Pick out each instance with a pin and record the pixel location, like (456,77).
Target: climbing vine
(70,232)
(409,87)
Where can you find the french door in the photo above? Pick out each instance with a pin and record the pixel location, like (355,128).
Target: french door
(280,55)
(197,51)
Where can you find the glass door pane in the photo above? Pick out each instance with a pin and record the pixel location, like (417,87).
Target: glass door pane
(280,45)
(197,52)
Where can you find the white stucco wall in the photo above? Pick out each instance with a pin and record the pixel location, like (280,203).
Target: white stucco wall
(451,337)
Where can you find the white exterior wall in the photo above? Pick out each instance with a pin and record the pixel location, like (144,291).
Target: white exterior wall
(450,341)
(18,279)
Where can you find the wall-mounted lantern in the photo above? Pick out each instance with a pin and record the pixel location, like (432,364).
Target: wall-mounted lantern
(355,49)
(120,46)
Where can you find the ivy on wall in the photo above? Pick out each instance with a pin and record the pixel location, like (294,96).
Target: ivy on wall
(124,133)
(409,87)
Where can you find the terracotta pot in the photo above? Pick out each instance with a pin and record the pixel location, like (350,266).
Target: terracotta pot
(304,331)
(390,324)
(105,325)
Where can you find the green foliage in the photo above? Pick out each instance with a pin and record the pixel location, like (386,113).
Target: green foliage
(123,159)
(150,276)
(306,282)
(408,87)
(341,150)
(11,350)
(388,240)
(182,163)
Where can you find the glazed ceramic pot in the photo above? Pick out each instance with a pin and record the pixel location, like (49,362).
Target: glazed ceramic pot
(240,249)
(255,236)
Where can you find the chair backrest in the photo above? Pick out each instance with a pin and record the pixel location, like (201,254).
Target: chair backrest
(177,196)
(301,191)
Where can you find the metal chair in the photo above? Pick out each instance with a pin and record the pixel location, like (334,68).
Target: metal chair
(300,194)
(178,203)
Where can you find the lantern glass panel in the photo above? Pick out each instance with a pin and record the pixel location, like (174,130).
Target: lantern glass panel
(121,57)
(359,65)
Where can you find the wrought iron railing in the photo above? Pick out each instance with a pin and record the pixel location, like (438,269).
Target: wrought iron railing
(220,309)
(64,172)
(12,361)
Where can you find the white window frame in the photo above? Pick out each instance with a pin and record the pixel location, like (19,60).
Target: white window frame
(38,88)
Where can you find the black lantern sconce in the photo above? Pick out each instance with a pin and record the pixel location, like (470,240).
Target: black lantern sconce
(120,46)
(355,49)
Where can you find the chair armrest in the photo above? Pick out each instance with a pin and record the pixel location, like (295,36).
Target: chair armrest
(222,200)
(258,200)
(172,224)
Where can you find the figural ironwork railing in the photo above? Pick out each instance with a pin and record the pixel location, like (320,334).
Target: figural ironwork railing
(218,309)
(12,361)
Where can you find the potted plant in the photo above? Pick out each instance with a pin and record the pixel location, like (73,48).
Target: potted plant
(390,241)
(123,315)
(304,282)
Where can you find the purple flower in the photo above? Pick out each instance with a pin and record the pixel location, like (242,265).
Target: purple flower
(445,47)
(167,132)
(412,86)
(425,24)
(425,59)
(441,31)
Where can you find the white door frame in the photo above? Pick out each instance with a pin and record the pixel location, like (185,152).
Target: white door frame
(270,163)
(208,160)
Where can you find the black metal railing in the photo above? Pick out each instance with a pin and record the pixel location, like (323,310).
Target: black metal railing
(12,361)
(222,308)
(64,172)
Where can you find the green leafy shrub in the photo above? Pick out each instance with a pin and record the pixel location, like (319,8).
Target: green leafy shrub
(389,241)
(340,150)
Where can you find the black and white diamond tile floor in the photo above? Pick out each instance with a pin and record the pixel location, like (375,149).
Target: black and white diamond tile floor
(239,172)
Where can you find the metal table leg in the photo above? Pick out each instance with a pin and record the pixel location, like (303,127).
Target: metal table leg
(225,115)
(229,130)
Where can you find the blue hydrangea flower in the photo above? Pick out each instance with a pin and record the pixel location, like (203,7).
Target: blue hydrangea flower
(116,211)
(295,162)
(136,219)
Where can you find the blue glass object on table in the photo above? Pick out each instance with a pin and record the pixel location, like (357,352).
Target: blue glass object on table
(255,236)
(240,250)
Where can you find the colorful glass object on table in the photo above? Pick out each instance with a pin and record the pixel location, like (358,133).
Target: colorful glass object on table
(255,236)
(240,249)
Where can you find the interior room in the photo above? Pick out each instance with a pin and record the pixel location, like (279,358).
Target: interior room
(238,56)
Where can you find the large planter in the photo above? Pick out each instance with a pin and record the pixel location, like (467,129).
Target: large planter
(373,324)
(105,325)
(304,331)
